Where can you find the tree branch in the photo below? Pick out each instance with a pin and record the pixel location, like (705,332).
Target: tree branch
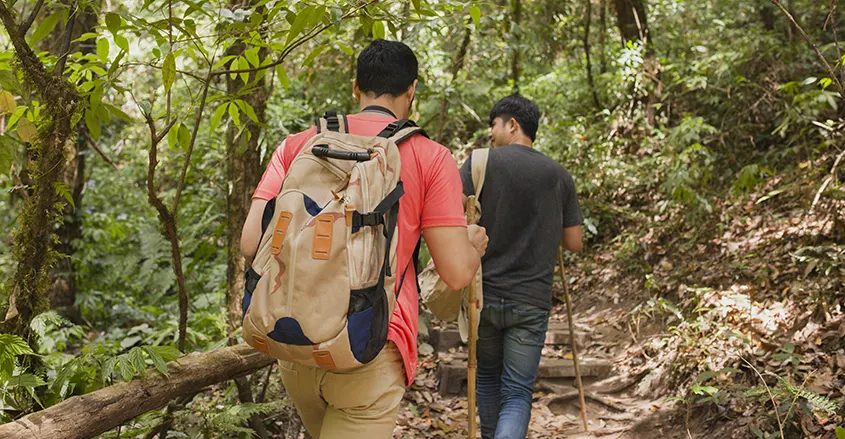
(94,413)
(302,40)
(183,176)
(815,48)
(60,65)
(31,19)
(97,148)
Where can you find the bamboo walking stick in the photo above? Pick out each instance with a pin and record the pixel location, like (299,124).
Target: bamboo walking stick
(572,337)
(472,218)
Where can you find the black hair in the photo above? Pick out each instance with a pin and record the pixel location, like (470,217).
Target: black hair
(386,67)
(526,113)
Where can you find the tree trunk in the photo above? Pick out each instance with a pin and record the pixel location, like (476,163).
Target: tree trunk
(516,38)
(457,65)
(588,15)
(602,35)
(632,22)
(32,249)
(62,294)
(767,15)
(94,413)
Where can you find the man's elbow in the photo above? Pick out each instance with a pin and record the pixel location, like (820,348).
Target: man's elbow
(248,250)
(459,279)
(575,247)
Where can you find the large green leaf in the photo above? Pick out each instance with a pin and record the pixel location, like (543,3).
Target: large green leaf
(93,124)
(44,28)
(113,22)
(218,115)
(299,23)
(168,71)
(8,149)
(475,13)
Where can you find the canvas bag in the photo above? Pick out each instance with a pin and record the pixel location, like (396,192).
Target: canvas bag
(320,291)
(445,303)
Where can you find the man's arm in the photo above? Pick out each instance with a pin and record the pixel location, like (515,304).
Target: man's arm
(456,252)
(572,239)
(251,234)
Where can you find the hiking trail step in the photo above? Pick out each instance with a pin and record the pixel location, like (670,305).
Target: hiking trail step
(443,339)
(452,375)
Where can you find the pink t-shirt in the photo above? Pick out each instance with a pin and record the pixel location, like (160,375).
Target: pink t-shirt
(432,199)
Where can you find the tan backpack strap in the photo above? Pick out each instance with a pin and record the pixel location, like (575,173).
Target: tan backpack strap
(406,133)
(332,121)
(479,169)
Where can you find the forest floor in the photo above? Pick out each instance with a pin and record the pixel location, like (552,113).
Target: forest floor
(694,320)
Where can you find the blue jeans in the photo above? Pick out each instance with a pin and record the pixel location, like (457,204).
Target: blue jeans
(510,342)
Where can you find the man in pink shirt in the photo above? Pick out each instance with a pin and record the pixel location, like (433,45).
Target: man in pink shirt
(363,402)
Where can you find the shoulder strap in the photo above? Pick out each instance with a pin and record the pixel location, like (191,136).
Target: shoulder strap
(479,169)
(401,130)
(332,121)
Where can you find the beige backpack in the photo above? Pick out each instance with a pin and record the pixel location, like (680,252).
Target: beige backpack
(321,288)
(445,303)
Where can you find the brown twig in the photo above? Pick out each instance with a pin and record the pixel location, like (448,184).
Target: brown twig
(186,165)
(815,48)
(97,148)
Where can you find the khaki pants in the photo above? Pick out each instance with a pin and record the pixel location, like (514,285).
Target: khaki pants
(360,403)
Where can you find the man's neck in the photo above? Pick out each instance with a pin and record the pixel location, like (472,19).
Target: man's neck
(389,104)
(522,140)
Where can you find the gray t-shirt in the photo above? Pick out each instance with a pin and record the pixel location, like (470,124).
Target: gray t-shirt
(527,201)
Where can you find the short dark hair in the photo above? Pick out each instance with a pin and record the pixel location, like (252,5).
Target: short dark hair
(526,113)
(386,67)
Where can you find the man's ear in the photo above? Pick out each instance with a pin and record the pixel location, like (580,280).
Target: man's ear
(356,91)
(412,90)
(513,125)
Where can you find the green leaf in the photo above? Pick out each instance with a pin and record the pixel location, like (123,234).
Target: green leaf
(172,137)
(825,83)
(93,124)
(139,363)
(218,115)
(247,109)
(62,189)
(299,24)
(125,368)
(117,112)
(168,353)
(8,148)
(184,136)
(121,42)
(223,61)
(243,64)
(158,361)
(345,48)
(233,113)
(314,54)
(283,76)
(26,380)
(378,29)
(840,433)
(252,56)
(475,13)
(168,71)
(103,49)
(416,5)
(44,28)
(316,16)
(113,22)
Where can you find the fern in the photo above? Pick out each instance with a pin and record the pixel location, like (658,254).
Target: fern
(233,418)
(10,347)
(819,402)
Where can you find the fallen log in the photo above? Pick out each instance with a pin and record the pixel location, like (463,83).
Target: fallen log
(86,416)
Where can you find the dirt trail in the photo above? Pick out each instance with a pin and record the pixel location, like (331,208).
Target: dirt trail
(614,408)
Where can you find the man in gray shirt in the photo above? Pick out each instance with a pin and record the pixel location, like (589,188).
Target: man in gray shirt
(528,206)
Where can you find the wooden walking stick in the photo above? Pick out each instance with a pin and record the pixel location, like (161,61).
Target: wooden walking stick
(572,337)
(472,218)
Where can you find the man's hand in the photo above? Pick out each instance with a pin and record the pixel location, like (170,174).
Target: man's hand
(478,238)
